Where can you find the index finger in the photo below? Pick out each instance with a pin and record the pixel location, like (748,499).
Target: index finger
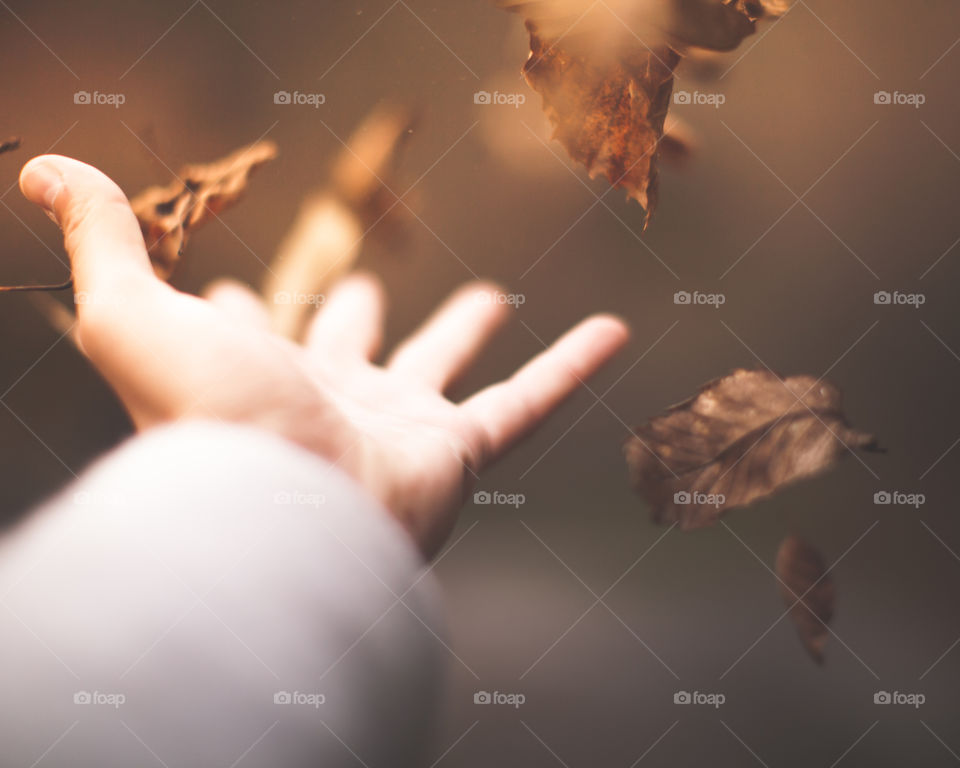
(511,409)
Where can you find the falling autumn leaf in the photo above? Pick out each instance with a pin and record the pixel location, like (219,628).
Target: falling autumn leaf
(607,115)
(8,145)
(740,438)
(168,214)
(808,592)
(328,233)
(605,73)
(368,163)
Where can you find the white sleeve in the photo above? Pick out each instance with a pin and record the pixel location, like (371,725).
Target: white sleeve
(207,593)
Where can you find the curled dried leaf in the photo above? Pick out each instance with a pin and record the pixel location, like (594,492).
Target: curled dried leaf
(605,73)
(369,162)
(8,145)
(322,245)
(607,112)
(740,438)
(168,214)
(808,592)
(327,235)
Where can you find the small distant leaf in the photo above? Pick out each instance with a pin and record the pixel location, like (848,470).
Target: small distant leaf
(168,214)
(808,591)
(740,438)
(8,145)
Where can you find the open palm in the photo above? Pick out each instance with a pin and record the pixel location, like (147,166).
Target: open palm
(169,356)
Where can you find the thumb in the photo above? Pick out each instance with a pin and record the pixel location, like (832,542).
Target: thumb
(101,233)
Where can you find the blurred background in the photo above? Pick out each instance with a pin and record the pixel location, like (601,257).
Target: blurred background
(803,198)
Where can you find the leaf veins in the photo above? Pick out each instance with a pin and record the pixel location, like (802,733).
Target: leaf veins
(605,72)
(740,438)
(607,112)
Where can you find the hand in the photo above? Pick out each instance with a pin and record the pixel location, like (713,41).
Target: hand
(170,356)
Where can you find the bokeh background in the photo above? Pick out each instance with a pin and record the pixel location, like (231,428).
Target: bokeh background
(686,612)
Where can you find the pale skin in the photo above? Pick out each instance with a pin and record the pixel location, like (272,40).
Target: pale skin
(172,356)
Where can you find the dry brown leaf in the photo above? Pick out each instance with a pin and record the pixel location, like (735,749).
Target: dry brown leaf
(740,438)
(322,245)
(605,74)
(327,235)
(8,145)
(168,214)
(808,591)
(371,158)
(607,112)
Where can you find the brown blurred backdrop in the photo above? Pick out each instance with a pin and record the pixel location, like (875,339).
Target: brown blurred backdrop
(799,104)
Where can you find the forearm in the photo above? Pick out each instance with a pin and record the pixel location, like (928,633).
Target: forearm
(193,578)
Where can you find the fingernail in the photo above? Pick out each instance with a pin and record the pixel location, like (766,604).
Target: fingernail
(42,183)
